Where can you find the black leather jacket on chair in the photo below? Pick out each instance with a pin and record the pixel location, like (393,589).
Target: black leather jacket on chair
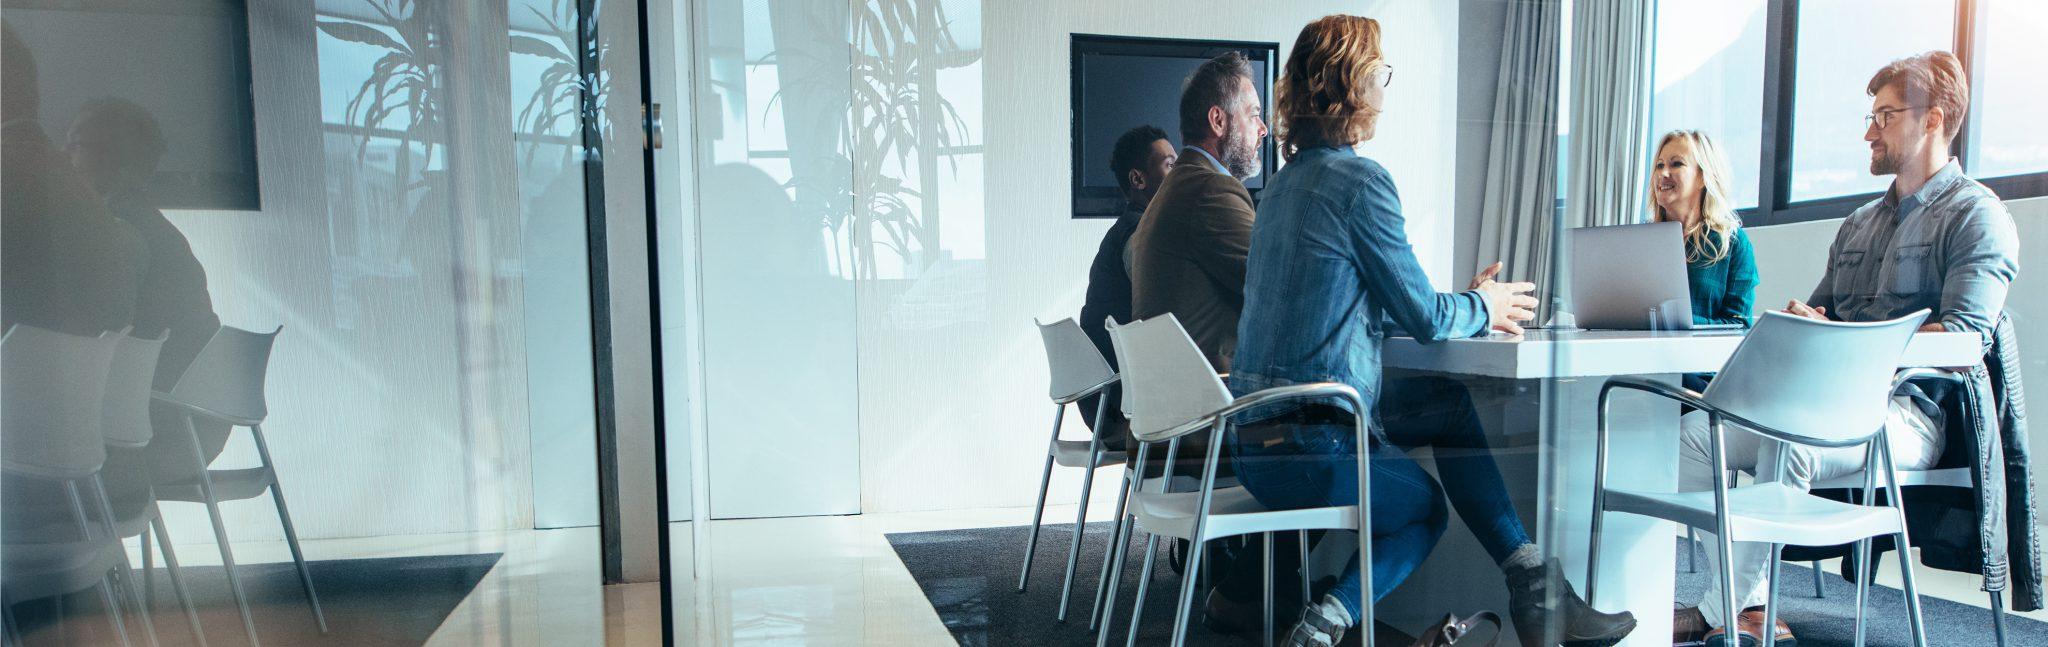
(1990,530)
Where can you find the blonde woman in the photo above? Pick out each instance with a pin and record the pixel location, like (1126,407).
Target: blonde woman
(1689,186)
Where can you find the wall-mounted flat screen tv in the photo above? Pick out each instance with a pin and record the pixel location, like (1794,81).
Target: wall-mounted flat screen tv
(1121,82)
(185,62)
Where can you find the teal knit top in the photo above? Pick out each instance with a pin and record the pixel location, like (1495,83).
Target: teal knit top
(1723,291)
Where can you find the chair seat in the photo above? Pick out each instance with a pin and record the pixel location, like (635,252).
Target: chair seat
(1765,512)
(1074,453)
(1232,512)
(39,570)
(228,485)
(1950,477)
(131,525)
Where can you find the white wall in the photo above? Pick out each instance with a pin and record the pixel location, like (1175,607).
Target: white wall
(955,416)
(1790,259)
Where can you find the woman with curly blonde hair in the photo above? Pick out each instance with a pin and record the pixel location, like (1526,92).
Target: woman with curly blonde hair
(1689,185)
(1329,261)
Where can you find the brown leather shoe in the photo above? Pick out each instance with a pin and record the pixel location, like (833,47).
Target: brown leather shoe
(1750,623)
(1689,626)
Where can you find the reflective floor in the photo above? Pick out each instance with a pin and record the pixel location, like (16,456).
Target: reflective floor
(810,580)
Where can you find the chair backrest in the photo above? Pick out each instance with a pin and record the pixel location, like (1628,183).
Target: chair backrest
(226,379)
(1076,365)
(1820,380)
(51,389)
(124,412)
(1167,381)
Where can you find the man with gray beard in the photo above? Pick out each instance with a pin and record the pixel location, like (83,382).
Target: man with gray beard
(1188,253)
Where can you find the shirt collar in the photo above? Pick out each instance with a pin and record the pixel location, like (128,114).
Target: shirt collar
(1905,206)
(1220,168)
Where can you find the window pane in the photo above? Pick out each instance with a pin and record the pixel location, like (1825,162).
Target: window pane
(2009,138)
(1710,78)
(1841,43)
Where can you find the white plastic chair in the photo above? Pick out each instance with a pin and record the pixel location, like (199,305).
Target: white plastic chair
(1078,371)
(225,382)
(1170,391)
(1794,380)
(124,416)
(52,387)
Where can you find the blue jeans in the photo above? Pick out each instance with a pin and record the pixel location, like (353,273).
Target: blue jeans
(1316,464)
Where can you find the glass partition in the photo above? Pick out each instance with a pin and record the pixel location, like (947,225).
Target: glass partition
(300,294)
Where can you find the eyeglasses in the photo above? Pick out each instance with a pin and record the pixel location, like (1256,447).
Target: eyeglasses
(1386,74)
(1882,117)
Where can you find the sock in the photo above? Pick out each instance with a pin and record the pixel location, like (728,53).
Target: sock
(1528,556)
(1334,610)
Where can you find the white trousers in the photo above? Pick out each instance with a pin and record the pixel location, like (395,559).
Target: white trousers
(1915,440)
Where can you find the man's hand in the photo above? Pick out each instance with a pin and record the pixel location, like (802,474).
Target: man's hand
(1799,308)
(1507,304)
(1484,275)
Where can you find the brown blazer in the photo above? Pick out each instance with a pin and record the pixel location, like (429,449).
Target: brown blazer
(1188,255)
(1187,258)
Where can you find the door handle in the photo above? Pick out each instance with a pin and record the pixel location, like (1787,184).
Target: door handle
(650,114)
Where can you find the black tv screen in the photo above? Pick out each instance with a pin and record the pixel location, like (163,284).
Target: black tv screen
(1121,82)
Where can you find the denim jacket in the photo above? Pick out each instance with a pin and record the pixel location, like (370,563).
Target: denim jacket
(1329,266)
(1950,247)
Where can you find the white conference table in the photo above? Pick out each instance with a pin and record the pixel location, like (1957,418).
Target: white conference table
(1538,394)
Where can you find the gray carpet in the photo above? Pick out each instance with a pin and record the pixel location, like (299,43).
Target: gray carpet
(970,578)
(390,601)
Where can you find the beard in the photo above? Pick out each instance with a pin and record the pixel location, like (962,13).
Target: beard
(1241,154)
(1884,164)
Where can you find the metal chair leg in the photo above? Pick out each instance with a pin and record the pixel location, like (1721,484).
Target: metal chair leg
(1138,605)
(125,570)
(1820,589)
(1268,581)
(1770,627)
(1080,530)
(113,603)
(163,541)
(1189,581)
(1912,592)
(220,535)
(1863,575)
(148,575)
(1692,549)
(1998,616)
(10,629)
(1038,510)
(291,534)
(1112,562)
(1305,581)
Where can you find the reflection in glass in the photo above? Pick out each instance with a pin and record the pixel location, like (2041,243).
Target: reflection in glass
(2009,138)
(1710,78)
(1841,43)
(387,355)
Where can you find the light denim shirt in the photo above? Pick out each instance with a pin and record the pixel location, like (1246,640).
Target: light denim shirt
(1950,247)
(1220,168)
(1329,264)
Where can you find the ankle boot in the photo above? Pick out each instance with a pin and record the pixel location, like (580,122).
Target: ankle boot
(1546,611)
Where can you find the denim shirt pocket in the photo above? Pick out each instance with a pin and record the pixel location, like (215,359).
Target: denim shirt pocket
(1912,270)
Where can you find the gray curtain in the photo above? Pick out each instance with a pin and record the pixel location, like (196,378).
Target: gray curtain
(1522,155)
(1608,149)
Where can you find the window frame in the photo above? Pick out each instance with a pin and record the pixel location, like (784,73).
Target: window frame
(1774,203)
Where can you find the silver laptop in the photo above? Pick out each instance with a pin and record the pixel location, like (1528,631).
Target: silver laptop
(1632,277)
